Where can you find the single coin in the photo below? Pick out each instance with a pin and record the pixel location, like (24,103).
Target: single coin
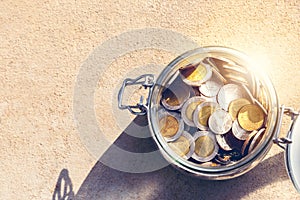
(202,113)
(170,124)
(196,74)
(236,105)
(220,122)
(239,132)
(247,142)
(174,96)
(228,93)
(181,146)
(210,88)
(256,139)
(206,147)
(188,109)
(221,140)
(251,117)
(184,146)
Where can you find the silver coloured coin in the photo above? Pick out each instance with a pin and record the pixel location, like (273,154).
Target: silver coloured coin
(246,143)
(228,93)
(239,132)
(257,138)
(221,140)
(220,122)
(210,88)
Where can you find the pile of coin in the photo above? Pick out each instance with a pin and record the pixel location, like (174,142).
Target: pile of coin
(213,113)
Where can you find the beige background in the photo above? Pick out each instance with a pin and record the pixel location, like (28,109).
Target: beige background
(44,43)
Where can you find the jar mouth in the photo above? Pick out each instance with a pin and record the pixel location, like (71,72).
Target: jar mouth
(256,81)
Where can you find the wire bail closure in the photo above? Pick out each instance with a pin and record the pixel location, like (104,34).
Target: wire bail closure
(283,141)
(147,81)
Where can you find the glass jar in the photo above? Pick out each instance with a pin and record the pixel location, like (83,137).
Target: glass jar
(259,85)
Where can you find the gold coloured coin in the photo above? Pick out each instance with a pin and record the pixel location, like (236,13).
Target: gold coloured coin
(204,146)
(168,126)
(251,117)
(174,96)
(236,105)
(171,98)
(191,108)
(202,114)
(181,146)
(196,74)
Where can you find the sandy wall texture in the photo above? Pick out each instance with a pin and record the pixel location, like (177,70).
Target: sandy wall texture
(44,47)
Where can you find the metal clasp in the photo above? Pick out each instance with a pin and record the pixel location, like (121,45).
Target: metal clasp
(281,142)
(147,81)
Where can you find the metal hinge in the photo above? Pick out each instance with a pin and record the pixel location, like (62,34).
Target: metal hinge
(283,141)
(147,81)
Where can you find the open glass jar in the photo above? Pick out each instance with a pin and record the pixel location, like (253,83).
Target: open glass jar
(215,77)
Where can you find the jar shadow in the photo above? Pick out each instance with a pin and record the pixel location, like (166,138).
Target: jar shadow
(104,182)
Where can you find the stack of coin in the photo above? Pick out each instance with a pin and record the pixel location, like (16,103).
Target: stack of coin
(224,119)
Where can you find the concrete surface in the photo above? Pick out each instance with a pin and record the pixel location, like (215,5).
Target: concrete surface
(44,44)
